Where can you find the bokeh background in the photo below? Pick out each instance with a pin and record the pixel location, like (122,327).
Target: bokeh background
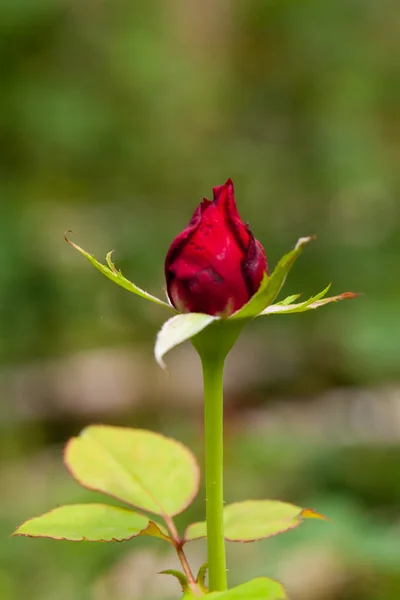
(116,117)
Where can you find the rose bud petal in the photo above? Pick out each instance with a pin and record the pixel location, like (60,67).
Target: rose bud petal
(215,265)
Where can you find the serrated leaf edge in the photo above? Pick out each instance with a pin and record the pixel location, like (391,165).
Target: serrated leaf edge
(304,513)
(282,308)
(142,532)
(94,489)
(116,276)
(285,262)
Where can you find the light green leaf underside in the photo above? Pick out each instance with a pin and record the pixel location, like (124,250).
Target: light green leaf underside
(179,329)
(92,523)
(142,468)
(271,286)
(116,276)
(253,520)
(310,304)
(261,588)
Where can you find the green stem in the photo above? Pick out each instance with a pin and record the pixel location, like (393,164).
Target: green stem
(213,417)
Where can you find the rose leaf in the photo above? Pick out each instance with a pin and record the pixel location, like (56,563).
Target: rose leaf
(142,468)
(254,520)
(92,523)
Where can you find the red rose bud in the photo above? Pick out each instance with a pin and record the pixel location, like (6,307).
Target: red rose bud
(215,265)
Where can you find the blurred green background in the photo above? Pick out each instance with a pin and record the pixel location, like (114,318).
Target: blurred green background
(116,117)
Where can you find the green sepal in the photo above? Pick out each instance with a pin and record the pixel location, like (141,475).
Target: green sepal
(179,329)
(271,286)
(286,307)
(116,276)
(286,301)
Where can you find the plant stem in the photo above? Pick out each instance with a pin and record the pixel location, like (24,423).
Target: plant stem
(181,554)
(213,369)
(213,345)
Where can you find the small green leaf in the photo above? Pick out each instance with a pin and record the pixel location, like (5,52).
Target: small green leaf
(271,286)
(201,578)
(156,530)
(188,592)
(253,520)
(142,468)
(179,576)
(310,304)
(287,300)
(179,329)
(92,523)
(261,588)
(116,276)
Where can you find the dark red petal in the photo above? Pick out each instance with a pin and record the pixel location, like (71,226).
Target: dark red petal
(217,190)
(180,239)
(213,243)
(254,265)
(207,292)
(199,211)
(215,265)
(224,198)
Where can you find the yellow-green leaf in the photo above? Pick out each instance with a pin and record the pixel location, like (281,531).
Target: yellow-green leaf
(261,588)
(253,520)
(92,523)
(142,468)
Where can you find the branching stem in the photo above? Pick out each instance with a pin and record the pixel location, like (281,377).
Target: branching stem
(181,555)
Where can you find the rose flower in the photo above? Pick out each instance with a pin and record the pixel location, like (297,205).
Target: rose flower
(215,265)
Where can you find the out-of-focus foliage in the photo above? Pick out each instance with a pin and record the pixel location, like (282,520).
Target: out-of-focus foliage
(116,117)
